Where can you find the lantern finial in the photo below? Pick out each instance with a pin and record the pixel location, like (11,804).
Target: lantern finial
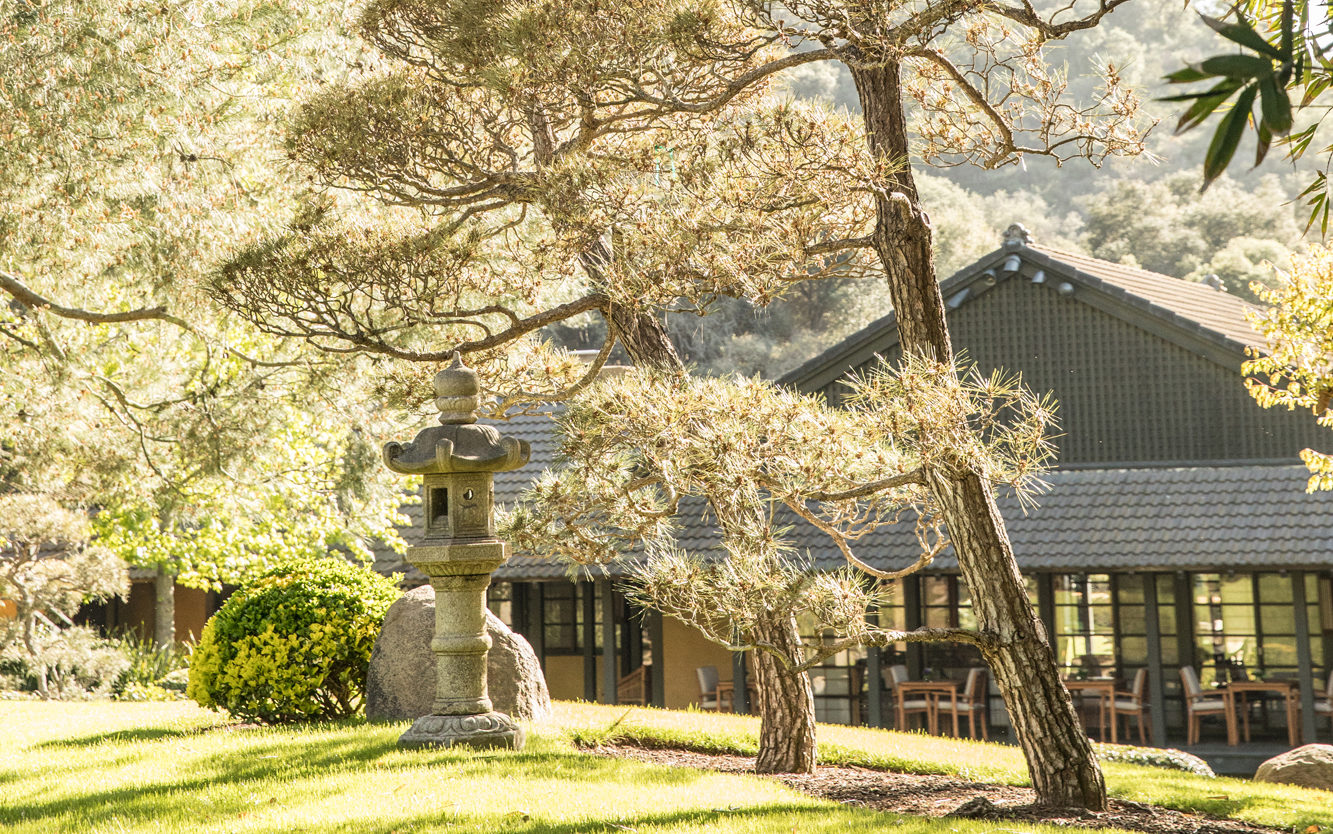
(457,393)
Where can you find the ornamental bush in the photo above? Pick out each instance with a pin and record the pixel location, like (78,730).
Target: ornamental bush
(294,644)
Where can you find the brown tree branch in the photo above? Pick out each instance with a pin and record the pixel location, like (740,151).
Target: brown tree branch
(926,557)
(978,98)
(831,246)
(740,84)
(1028,16)
(26,295)
(916,476)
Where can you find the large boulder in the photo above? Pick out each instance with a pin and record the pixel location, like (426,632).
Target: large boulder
(401,681)
(1310,766)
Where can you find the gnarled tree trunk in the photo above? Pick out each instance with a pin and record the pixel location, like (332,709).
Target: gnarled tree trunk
(1059,755)
(786,700)
(164,609)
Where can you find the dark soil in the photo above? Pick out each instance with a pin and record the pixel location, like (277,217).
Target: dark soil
(941,796)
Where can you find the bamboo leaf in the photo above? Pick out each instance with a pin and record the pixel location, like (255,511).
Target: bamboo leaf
(1275,106)
(1237,66)
(1242,33)
(1265,140)
(1204,106)
(1188,75)
(1227,137)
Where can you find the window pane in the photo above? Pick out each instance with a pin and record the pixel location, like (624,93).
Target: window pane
(1130,589)
(1274,588)
(1277,620)
(1132,620)
(1133,651)
(1239,619)
(1238,588)
(1280,652)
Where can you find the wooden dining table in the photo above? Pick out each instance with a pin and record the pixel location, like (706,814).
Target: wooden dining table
(1104,690)
(932,692)
(1237,693)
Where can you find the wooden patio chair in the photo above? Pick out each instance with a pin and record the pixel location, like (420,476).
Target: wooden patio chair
(1199,704)
(707,687)
(903,707)
(635,688)
(1133,703)
(972,701)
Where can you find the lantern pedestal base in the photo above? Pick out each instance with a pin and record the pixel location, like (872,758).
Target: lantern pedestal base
(488,730)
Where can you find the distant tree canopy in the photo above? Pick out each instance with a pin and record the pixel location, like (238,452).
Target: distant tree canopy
(138,141)
(1166,226)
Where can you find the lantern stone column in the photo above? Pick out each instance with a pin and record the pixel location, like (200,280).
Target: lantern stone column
(459,551)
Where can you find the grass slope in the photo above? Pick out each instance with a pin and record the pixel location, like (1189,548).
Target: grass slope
(104,767)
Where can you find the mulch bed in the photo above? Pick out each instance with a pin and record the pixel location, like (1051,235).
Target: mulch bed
(940,796)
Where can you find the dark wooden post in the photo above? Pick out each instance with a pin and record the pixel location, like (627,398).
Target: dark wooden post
(1304,657)
(912,619)
(1156,679)
(589,639)
(658,696)
(874,680)
(740,679)
(1046,605)
(536,619)
(1185,620)
(609,663)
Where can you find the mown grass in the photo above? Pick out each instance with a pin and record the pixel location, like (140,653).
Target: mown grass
(104,767)
(1278,806)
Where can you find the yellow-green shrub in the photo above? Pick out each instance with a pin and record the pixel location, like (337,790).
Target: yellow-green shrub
(294,644)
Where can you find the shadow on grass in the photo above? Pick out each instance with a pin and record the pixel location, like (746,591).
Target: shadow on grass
(776,817)
(220,784)
(116,737)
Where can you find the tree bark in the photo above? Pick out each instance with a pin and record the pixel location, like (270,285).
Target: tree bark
(645,339)
(786,701)
(164,609)
(1059,755)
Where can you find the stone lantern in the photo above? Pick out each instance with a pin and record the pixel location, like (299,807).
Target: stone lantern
(459,552)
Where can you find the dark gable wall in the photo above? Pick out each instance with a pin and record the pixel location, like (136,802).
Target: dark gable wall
(1126,395)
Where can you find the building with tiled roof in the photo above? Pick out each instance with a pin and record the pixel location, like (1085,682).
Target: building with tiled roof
(1175,530)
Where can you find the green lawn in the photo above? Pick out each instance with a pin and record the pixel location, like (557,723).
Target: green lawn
(113,767)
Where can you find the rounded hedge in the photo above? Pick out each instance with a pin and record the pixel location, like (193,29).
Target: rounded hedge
(294,644)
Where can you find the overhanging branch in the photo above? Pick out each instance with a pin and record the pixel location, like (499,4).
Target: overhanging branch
(26,295)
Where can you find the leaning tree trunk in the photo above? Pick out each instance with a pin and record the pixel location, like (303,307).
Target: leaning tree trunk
(1059,755)
(641,332)
(164,609)
(786,700)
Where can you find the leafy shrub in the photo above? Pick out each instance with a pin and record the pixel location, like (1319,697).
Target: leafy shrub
(294,644)
(1165,757)
(66,663)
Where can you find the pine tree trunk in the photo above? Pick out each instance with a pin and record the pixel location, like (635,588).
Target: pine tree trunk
(786,701)
(1059,755)
(164,609)
(641,332)
(645,339)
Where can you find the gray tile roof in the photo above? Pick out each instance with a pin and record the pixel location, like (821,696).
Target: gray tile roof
(1209,309)
(1207,321)
(1240,517)
(1185,518)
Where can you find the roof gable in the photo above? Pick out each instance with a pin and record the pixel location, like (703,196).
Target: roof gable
(1194,316)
